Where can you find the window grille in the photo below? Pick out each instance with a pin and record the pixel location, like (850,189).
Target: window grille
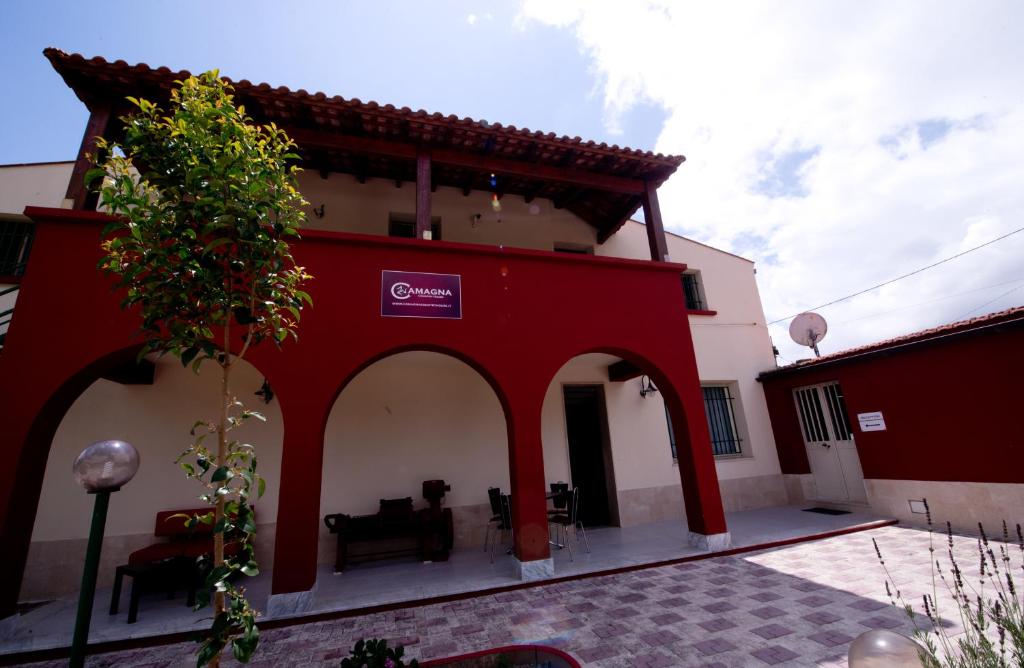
(721,415)
(691,289)
(15,244)
(718,405)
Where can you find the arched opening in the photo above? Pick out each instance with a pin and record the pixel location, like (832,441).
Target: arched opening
(621,429)
(155,416)
(405,418)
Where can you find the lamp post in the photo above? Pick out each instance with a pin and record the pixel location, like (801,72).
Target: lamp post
(102,468)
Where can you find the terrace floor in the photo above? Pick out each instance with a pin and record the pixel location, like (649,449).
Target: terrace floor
(730,600)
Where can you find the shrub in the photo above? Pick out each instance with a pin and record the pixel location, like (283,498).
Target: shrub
(377,654)
(991,611)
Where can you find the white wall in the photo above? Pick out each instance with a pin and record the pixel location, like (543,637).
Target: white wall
(42,184)
(412,417)
(364,208)
(155,419)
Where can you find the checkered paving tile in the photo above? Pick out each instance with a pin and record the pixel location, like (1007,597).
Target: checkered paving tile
(799,605)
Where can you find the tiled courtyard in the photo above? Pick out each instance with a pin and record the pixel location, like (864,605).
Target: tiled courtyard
(799,605)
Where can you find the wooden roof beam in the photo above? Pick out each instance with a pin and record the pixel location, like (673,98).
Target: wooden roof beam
(483,163)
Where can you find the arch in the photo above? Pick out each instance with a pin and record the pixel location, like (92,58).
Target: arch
(677,381)
(407,417)
(32,445)
(431,348)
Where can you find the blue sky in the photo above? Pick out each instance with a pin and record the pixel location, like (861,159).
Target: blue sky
(417,54)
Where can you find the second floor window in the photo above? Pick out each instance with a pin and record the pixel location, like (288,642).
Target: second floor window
(404,225)
(694,292)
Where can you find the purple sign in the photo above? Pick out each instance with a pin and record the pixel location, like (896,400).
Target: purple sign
(410,294)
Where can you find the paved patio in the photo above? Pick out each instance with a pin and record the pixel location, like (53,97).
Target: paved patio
(798,605)
(399,581)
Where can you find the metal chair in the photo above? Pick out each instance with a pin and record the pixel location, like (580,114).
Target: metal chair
(570,519)
(505,507)
(494,496)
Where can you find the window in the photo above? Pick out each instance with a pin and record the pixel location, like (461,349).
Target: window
(578,249)
(694,292)
(15,243)
(404,225)
(721,415)
(718,405)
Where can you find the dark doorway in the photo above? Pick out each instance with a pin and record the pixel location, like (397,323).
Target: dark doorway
(590,456)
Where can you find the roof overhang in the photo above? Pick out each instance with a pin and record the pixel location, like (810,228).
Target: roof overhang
(601,184)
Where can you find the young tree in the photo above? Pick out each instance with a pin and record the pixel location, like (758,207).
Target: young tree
(204,204)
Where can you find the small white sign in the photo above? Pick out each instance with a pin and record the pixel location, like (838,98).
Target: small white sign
(871,421)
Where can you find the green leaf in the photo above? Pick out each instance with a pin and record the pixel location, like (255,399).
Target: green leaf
(222,473)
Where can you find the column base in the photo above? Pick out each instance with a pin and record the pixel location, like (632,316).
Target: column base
(715,542)
(290,604)
(539,569)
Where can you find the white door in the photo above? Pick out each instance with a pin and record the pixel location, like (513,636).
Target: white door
(828,437)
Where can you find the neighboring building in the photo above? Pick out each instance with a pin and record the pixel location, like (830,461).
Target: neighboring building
(565,319)
(930,415)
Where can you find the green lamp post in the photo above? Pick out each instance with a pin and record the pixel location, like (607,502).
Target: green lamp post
(102,468)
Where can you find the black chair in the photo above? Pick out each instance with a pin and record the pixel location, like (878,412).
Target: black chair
(560,500)
(494,496)
(505,514)
(570,519)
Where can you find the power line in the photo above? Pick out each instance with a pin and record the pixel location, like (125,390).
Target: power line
(991,301)
(900,278)
(933,301)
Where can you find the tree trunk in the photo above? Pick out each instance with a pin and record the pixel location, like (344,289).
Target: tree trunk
(218,537)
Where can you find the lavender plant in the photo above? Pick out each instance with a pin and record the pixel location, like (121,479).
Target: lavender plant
(991,609)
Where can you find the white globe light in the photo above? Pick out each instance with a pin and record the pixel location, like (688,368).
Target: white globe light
(106,465)
(884,649)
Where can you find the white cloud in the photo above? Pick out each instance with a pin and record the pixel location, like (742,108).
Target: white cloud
(471,19)
(902,123)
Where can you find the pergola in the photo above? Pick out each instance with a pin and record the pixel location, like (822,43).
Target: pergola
(601,184)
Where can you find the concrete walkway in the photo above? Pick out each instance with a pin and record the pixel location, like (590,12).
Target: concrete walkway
(798,605)
(401,581)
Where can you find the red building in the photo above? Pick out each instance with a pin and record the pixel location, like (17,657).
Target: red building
(931,415)
(524,313)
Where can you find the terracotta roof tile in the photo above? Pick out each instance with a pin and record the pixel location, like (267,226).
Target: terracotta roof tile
(1011,314)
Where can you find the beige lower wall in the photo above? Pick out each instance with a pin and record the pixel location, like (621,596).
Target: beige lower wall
(800,487)
(55,566)
(655,504)
(963,504)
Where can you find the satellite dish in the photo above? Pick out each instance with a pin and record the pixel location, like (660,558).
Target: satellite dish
(808,329)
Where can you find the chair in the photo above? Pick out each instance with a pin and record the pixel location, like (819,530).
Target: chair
(505,515)
(560,498)
(570,519)
(494,496)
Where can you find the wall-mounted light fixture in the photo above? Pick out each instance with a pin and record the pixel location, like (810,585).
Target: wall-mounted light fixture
(647,387)
(318,211)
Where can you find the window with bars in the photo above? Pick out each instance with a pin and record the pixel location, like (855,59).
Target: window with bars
(15,243)
(719,407)
(693,292)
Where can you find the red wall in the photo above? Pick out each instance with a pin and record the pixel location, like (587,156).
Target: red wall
(525,314)
(952,408)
